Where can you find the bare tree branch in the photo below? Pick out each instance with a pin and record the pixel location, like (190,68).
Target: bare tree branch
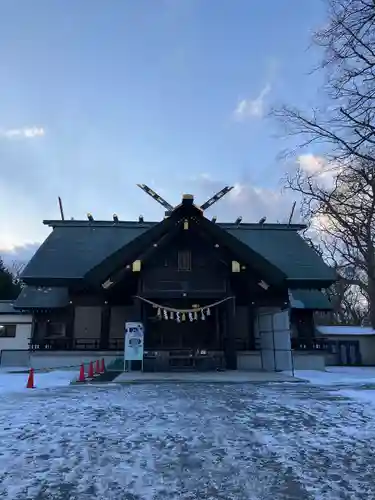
(339,199)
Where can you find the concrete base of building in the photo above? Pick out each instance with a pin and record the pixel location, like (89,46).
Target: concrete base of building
(299,360)
(227,377)
(246,360)
(309,360)
(69,359)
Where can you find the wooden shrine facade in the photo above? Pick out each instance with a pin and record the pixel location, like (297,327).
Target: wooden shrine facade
(197,285)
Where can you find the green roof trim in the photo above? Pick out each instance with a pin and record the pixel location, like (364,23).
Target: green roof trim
(309,299)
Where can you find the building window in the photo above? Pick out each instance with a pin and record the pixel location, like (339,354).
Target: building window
(184,260)
(7,331)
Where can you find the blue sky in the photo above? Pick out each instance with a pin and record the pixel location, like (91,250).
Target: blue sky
(97,96)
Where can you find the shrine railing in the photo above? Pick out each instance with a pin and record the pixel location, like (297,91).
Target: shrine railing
(309,344)
(92,344)
(76,344)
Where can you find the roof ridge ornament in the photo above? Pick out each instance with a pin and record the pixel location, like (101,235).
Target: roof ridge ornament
(185,198)
(216,197)
(156,197)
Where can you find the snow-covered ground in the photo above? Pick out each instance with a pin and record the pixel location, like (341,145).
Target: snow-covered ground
(188,441)
(357,383)
(13,380)
(339,375)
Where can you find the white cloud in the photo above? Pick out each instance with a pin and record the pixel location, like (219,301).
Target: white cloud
(323,170)
(252,108)
(312,164)
(23,133)
(247,200)
(20,253)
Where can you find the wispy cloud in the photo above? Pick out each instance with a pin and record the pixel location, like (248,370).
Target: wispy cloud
(23,133)
(252,108)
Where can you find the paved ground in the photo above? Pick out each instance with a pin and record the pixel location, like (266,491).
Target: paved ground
(186,441)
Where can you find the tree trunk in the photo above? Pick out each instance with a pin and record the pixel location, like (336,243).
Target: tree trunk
(371,299)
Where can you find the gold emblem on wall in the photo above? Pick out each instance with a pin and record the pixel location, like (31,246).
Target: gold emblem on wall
(236,268)
(136,266)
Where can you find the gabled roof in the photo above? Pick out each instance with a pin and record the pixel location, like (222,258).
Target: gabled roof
(76,249)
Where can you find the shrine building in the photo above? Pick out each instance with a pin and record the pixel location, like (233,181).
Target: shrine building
(210,294)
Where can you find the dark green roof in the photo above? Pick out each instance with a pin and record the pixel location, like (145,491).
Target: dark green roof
(73,248)
(42,298)
(309,299)
(76,247)
(286,249)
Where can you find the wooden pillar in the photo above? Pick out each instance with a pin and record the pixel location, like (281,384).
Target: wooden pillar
(69,326)
(40,330)
(138,310)
(303,322)
(34,331)
(230,337)
(217,329)
(251,332)
(105,326)
(137,303)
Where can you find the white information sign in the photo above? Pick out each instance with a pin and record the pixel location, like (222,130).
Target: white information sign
(134,342)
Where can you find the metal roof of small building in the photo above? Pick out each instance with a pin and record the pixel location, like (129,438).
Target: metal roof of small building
(6,307)
(42,298)
(345,330)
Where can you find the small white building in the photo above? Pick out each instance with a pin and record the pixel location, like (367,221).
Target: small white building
(15,335)
(348,345)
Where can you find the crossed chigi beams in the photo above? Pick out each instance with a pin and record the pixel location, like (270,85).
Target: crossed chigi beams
(207,204)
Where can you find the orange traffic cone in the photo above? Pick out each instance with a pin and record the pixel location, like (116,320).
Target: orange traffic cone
(91,370)
(30,380)
(97,367)
(81,377)
(102,368)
